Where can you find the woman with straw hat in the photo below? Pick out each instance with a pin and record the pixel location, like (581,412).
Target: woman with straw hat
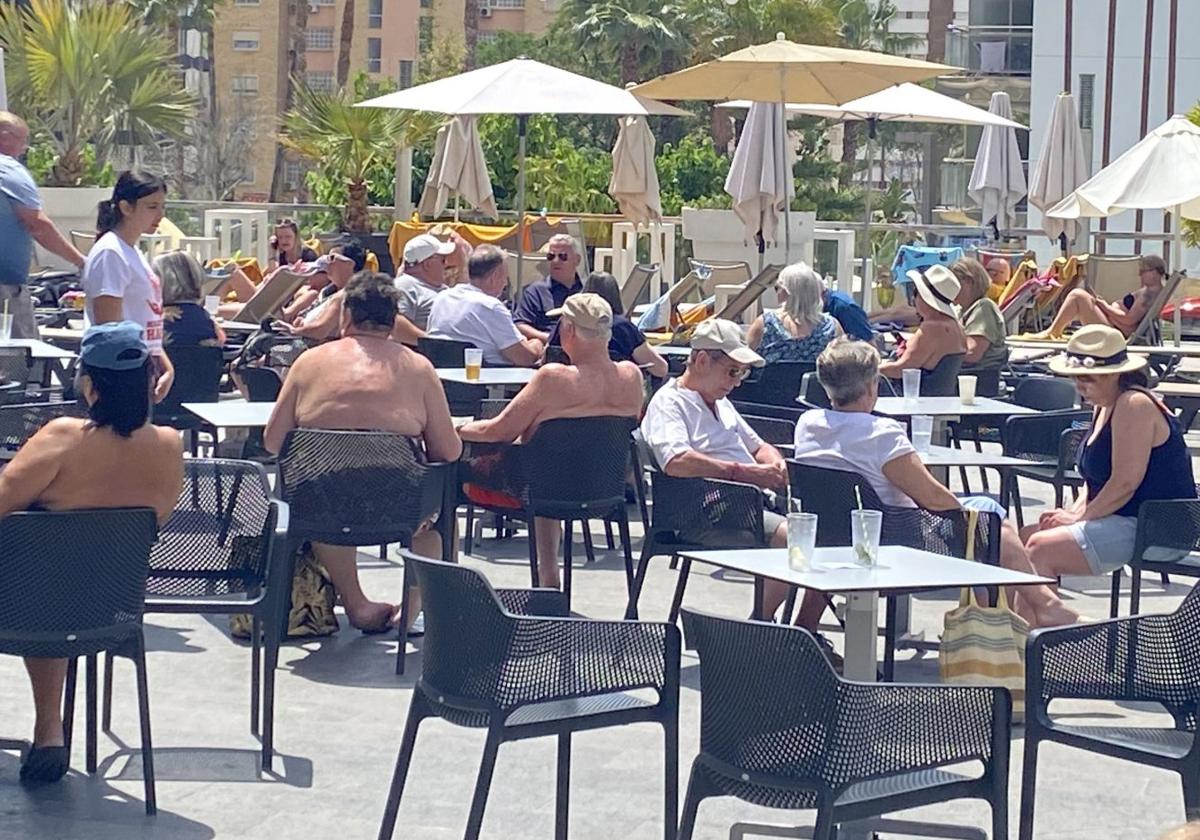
(940,333)
(1134,453)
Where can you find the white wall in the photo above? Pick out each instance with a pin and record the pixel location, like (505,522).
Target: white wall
(1089,47)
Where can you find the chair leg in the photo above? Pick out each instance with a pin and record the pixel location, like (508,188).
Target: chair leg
(417,712)
(469,533)
(402,650)
(1135,589)
(685,568)
(534,577)
(270,663)
(1191,793)
(1166,579)
(1114,596)
(1028,785)
(608,535)
(562,789)
(69,702)
(691,804)
(889,640)
(143,690)
(1059,488)
(255,672)
(568,527)
(1015,498)
(671,775)
(825,828)
(639,578)
(482,783)
(589,547)
(90,711)
(106,707)
(626,548)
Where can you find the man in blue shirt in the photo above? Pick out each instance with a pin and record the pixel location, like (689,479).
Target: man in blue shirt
(541,296)
(849,314)
(22,221)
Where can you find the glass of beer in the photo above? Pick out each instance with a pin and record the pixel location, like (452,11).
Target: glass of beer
(473,362)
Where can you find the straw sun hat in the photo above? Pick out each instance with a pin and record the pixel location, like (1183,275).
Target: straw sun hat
(1095,350)
(938,287)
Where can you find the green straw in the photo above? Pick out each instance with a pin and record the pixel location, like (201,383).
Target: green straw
(864,553)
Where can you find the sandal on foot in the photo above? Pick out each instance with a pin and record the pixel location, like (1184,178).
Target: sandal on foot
(45,764)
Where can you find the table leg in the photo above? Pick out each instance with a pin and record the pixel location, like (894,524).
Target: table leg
(862,628)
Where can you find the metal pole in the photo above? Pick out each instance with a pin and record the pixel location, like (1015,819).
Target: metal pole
(522,127)
(1177,265)
(867,280)
(787,177)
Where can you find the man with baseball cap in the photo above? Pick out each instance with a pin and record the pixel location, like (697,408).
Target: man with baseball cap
(423,277)
(593,385)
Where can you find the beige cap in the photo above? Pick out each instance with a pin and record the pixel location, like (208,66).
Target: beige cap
(422,247)
(726,336)
(586,310)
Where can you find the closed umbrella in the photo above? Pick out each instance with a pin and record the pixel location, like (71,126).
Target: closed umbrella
(997,181)
(1061,168)
(760,178)
(459,169)
(634,182)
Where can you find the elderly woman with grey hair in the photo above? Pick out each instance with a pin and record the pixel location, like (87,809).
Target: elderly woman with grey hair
(186,323)
(849,437)
(799,329)
(981,318)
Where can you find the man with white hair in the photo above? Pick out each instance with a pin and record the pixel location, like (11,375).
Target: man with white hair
(541,297)
(423,277)
(22,221)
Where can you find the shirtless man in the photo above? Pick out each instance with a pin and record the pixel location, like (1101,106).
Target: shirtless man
(1086,308)
(73,463)
(364,380)
(593,385)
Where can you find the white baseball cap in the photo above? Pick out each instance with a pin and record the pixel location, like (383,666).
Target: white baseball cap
(420,248)
(726,336)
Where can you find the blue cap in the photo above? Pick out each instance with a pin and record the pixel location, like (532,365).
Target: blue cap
(117,345)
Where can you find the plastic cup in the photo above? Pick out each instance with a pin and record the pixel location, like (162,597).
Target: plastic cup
(912,385)
(212,303)
(922,432)
(473,362)
(6,321)
(966,389)
(865,526)
(801,540)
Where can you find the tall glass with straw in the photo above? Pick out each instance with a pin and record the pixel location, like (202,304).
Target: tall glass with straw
(865,526)
(6,322)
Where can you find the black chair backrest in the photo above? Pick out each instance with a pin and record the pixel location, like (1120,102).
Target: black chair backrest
(812,392)
(217,540)
(357,487)
(774,384)
(1045,393)
(15,364)
(749,409)
(443,352)
(773,430)
(829,493)
(73,582)
(577,463)
(262,383)
(18,423)
(987,380)
(1039,436)
(197,377)
(942,381)
(489,409)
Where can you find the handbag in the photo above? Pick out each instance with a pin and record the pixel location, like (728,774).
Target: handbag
(310,608)
(984,645)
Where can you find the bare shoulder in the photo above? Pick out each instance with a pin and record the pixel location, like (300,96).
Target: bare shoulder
(630,371)
(168,439)
(1136,405)
(61,432)
(555,372)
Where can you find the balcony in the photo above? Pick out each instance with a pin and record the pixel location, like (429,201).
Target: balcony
(955,175)
(991,50)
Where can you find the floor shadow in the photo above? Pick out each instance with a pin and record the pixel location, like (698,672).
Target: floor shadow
(208,764)
(353,659)
(162,639)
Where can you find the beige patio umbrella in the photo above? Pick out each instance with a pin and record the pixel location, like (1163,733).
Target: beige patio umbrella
(760,178)
(997,182)
(634,182)
(783,71)
(459,169)
(1061,168)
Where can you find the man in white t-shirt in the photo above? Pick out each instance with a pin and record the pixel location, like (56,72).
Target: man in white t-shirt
(423,277)
(473,312)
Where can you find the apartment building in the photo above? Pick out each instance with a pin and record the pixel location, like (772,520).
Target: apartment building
(251,44)
(929,20)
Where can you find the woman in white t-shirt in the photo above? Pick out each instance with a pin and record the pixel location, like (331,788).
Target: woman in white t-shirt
(850,437)
(117,279)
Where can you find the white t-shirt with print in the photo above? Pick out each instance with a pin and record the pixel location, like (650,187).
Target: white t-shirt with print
(464,313)
(117,269)
(678,420)
(854,440)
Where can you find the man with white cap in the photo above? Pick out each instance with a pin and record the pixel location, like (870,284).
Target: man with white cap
(423,277)
(940,333)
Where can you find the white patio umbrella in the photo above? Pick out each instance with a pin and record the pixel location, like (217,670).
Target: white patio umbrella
(1160,172)
(634,181)
(1061,168)
(459,169)
(521,87)
(760,178)
(997,180)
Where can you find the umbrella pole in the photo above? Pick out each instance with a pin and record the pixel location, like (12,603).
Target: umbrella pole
(522,127)
(456,197)
(787,199)
(868,281)
(1177,265)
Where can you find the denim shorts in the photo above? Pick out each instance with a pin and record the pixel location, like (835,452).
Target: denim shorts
(1107,543)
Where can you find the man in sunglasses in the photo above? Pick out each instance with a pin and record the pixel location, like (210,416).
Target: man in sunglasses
(532,315)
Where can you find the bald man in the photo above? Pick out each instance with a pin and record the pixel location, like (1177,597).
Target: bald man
(22,221)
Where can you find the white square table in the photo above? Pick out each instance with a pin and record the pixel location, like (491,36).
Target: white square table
(947,407)
(496,380)
(56,361)
(948,456)
(232,414)
(899,569)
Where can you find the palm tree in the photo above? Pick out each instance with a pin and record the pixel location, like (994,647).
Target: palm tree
(470,32)
(345,42)
(327,128)
(297,67)
(639,32)
(90,73)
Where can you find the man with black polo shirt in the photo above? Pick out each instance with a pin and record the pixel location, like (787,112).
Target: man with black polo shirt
(539,298)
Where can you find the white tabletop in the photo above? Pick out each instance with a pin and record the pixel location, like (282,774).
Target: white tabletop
(39,349)
(236,326)
(948,407)
(948,456)
(233,414)
(488,376)
(899,569)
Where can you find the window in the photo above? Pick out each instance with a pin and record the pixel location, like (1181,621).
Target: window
(245,85)
(406,74)
(1087,100)
(486,35)
(247,41)
(245,2)
(426,4)
(375,15)
(319,39)
(248,174)
(506,4)
(292,174)
(425,34)
(374,55)
(319,80)
(321,2)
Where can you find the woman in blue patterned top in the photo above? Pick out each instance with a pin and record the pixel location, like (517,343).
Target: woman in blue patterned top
(799,329)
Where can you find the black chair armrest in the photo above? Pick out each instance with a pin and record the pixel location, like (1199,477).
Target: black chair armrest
(543,602)
(700,505)
(280,569)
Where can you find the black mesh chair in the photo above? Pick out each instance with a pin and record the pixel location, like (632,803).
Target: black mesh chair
(224,551)
(777,383)
(198,372)
(18,423)
(690,514)
(592,488)
(794,735)
(1049,441)
(1141,659)
(1171,524)
(942,380)
(511,662)
(812,393)
(16,365)
(73,584)
(749,409)
(773,430)
(364,488)
(464,399)
(262,383)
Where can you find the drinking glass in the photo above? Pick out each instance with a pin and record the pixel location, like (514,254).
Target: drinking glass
(473,362)
(212,303)
(865,526)
(922,432)
(802,540)
(6,322)
(912,385)
(966,389)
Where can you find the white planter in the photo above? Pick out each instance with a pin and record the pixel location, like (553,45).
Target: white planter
(70,208)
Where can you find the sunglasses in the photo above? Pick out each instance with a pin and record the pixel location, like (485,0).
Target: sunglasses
(737,373)
(563,257)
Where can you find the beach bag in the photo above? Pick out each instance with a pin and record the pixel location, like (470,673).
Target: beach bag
(310,611)
(984,645)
